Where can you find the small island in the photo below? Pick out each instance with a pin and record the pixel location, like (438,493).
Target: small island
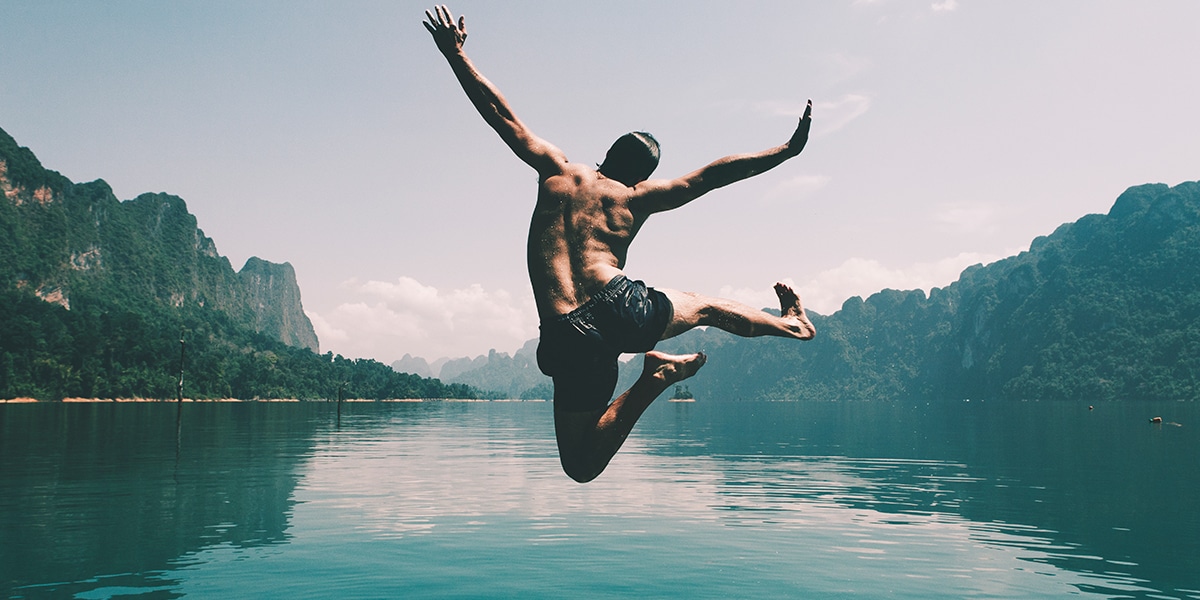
(682,394)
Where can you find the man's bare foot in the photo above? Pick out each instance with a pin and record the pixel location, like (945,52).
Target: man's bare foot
(672,368)
(792,311)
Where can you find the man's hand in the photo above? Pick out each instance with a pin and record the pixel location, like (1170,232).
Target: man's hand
(448,36)
(800,137)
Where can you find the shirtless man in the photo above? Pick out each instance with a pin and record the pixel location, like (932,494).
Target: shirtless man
(583,222)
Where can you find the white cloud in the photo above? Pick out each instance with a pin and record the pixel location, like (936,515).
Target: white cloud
(407,292)
(756,297)
(826,292)
(966,217)
(797,187)
(828,117)
(381,320)
(387,319)
(945,5)
(843,67)
(326,332)
(863,277)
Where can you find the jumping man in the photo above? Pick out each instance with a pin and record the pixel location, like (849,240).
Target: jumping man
(583,222)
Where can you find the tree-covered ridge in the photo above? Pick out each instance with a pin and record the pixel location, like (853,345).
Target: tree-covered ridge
(97,292)
(1104,308)
(63,239)
(97,350)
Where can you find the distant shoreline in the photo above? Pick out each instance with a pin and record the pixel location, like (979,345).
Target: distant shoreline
(220,400)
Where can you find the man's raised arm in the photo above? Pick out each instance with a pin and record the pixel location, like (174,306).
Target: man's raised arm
(660,195)
(543,156)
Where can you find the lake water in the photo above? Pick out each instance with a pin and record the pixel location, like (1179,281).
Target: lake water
(706,500)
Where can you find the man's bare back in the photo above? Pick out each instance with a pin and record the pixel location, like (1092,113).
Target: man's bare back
(583,223)
(579,237)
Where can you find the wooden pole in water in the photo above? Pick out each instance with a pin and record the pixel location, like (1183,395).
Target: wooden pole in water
(179,389)
(341,387)
(179,407)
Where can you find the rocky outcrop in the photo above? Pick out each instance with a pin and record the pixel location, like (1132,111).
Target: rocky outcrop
(413,364)
(274,299)
(66,242)
(515,376)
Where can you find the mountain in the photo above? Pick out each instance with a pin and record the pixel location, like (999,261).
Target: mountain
(63,239)
(1107,307)
(97,293)
(273,298)
(501,375)
(415,365)
(1103,308)
(514,376)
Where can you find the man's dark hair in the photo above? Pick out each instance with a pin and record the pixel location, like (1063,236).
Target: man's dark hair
(632,158)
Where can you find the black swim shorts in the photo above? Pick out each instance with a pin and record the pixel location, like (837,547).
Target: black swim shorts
(580,349)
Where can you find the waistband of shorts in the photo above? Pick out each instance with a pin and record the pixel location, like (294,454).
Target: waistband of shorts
(614,288)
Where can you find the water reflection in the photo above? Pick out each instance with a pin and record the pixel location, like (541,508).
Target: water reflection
(1099,493)
(706,500)
(97,498)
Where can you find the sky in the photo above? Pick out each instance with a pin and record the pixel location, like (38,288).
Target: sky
(333,136)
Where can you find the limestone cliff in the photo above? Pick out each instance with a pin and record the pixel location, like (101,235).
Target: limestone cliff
(274,298)
(69,242)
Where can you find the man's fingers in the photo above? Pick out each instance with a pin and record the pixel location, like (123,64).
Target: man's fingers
(441,21)
(435,20)
(441,18)
(808,111)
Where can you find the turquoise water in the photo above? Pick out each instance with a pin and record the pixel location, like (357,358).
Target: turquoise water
(707,500)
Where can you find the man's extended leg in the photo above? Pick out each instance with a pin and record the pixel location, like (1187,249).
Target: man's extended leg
(587,441)
(693,310)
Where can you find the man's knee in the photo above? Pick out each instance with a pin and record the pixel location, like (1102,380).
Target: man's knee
(576,443)
(578,468)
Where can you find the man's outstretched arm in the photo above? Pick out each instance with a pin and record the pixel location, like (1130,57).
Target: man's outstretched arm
(543,156)
(660,195)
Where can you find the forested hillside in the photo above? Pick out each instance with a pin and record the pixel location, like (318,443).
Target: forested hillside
(97,293)
(1104,308)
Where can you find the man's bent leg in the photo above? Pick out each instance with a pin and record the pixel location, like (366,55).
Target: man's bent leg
(693,310)
(587,441)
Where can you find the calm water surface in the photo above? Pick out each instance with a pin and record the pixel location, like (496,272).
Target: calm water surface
(707,500)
